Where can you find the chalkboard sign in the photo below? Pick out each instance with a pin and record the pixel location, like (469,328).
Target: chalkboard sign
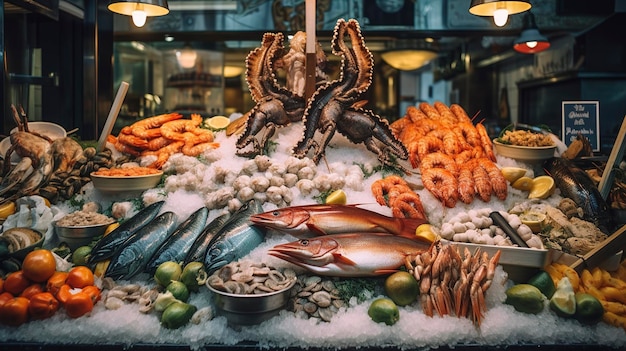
(581,117)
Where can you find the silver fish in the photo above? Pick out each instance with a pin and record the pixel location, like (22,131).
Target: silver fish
(236,238)
(176,245)
(105,248)
(198,249)
(131,259)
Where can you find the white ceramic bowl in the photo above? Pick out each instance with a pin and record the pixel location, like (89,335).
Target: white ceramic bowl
(113,184)
(51,130)
(525,153)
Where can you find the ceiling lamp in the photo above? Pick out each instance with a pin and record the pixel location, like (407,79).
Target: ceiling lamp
(530,41)
(187,56)
(499,9)
(410,55)
(139,10)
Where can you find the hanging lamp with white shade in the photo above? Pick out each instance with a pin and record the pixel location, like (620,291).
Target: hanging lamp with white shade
(139,10)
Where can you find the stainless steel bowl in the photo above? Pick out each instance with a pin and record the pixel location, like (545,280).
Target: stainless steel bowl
(250,309)
(77,236)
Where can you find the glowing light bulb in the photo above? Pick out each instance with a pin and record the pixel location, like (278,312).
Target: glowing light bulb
(500,16)
(139,17)
(531,44)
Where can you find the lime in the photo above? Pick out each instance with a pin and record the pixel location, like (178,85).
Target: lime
(543,281)
(402,288)
(523,183)
(542,187)
(513,173)
(563,301)
(177,314)
(179,290)
(166,272)
(79,256)
(384,310)
(337,197)
(588,308)
(525,298)
(218,122)
(193,275)
(426,233)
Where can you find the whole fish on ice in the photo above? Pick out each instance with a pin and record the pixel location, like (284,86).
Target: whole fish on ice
(350,255)
(313,220)
(133,256)
(198,249)
(235,239)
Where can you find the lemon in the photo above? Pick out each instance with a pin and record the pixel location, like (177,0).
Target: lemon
(7,209)
(563,302)
(79,256)
(525,298)
(166,272)
(513,173)
(111,228)
(384,310)
(588,308)
(523,183)
(337,197)
(534,220)
(218,122)
(542,187)
(402,288)
(426,233)
(543,281)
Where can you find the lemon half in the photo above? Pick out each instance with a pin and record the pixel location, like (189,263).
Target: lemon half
(523,183)
(337,197)
(542,187)
(513,173)
(218,122)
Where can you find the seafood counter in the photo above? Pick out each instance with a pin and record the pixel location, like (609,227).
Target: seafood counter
(412,235)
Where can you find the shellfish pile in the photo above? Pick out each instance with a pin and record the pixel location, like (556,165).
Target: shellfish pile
(248,277)
(314,297)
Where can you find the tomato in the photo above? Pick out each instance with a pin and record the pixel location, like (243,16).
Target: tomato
(39,265)
(5,296)
(78,305)
(64,293)
(1,285)
(42,305)
(16,282)
(79,277)
(32,290)
(14,312)
(92,291)
(55,282)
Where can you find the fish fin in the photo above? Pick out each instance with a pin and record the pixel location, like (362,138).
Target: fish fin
(385,271)
(409,225)
(343,259)
(315,229)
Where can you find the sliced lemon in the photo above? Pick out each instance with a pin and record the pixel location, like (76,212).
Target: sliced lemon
(534,220)
(218,122)
(426,233)
(111,228)
(337,197)
(523,183)
(513,173)
(7,209)
(542,187)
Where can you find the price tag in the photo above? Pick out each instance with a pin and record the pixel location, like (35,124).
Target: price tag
(581,117)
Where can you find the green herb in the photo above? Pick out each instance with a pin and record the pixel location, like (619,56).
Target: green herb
(361,288)
(321,198)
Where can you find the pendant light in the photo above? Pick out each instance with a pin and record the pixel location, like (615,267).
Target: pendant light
(530,41)
(499,9)
(187,56)
(139,10)
(410,55)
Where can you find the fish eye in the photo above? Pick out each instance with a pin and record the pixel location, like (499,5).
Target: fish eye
(304,242)
(275,213)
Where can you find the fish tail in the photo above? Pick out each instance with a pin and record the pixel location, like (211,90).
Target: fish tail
(408,226)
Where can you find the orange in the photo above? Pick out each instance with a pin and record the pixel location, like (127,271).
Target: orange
(39,265)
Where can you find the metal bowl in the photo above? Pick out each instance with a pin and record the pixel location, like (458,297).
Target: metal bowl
(250,309)
(21,253)
(525,153)
(77,236)
(113,184)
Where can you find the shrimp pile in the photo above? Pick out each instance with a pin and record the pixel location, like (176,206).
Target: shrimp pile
(393,191)
(454,156)
(163,136)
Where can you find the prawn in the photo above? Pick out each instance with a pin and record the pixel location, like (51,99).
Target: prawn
(467,133)
(442,184)
(460,113)
(423,147)
(131,140)
(482,183)
(123,148)
(415,114)
(383,187)
(449,139)
(408,205)
(429,111)
(499,184)
(399,126)
(439,160)
(446,114)
(467,191)
(175,130)
(164,153)
(469,154)
(149,128)
(485,141)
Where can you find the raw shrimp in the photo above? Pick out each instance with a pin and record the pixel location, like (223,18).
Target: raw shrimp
(442,184)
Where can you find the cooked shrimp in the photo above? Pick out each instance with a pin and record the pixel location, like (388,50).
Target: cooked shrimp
(499,184)
(382,187)
(485,141)
(467,190)
(414,114)
(121,147)
(442,184)
(449,138)
(175,130)
(408,205)
(427,145)
(148,128)
(398,126)
(190,149)
(429,111)
(466,132)
(411,132)
(446,114)
(439,160)
(157,143)
(460,113)
(482,183)
(469,154)
(132,140)
(164,153)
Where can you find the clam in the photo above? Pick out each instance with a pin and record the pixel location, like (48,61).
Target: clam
(314,297)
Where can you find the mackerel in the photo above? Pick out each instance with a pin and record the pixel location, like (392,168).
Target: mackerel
(198,248)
